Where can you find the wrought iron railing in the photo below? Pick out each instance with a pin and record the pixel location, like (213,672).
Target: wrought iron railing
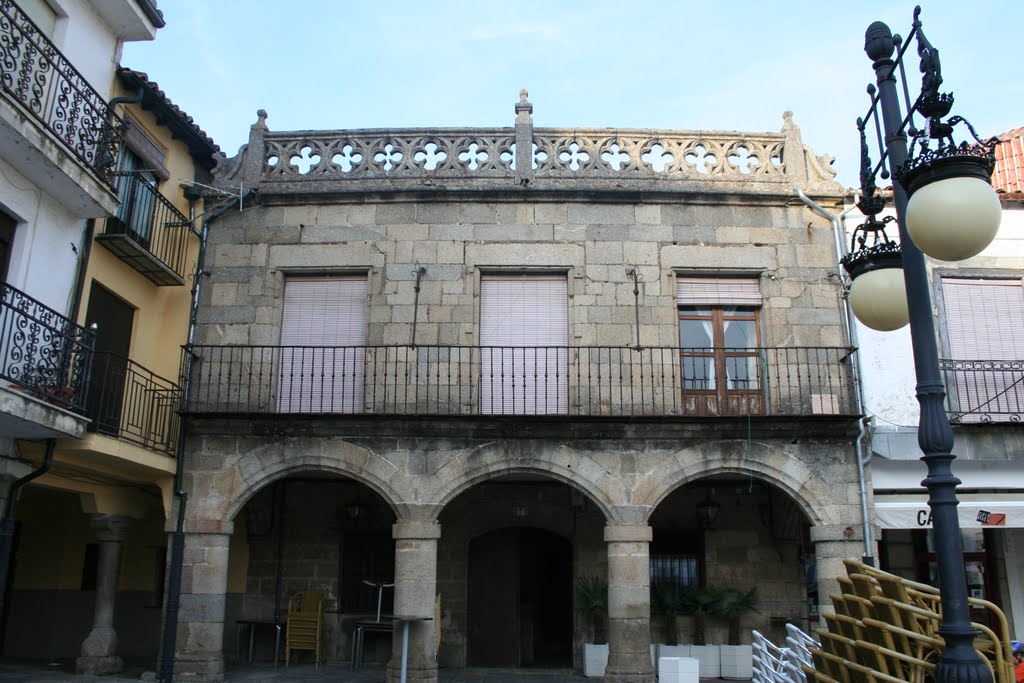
(40,79)
(132,403)
(473,380)
(42,352)
(150,221)
(984,390)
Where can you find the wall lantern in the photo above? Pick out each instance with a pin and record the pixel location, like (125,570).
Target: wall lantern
(707,510)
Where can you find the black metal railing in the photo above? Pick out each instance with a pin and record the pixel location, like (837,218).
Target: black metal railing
(133,403)
(42,352)
(984,390)
(473,380)
(47,86)
(150,221)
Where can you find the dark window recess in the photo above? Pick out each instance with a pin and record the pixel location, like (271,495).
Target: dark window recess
(90,566)
(159,575)
(677,558)
(367,555)
(7,226)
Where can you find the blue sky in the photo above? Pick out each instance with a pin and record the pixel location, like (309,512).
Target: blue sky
(675,64)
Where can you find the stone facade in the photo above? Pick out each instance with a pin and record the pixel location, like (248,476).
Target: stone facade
(606,488)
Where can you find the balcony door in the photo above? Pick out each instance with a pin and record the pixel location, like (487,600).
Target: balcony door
(113,319)
(323,344)
(137,190)
(719,334)
(524,335)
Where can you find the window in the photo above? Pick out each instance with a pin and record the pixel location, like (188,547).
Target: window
(40,12)
(524,337)
(719,336)
(7,228)
(323,337)
(136,189)
(985,335)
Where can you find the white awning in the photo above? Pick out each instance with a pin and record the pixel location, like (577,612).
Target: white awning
(912,512)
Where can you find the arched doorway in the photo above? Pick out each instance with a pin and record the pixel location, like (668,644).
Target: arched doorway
(520,599)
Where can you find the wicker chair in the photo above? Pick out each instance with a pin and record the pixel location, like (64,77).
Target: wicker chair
(305,624)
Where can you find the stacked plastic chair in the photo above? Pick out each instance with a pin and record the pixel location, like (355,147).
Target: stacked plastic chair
(773,664)
(885,628)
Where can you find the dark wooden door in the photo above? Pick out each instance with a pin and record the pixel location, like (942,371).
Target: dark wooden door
(494,599)
(113,319)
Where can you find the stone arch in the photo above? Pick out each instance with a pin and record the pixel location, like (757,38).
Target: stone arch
(256,471)
(598,495)
(792,475)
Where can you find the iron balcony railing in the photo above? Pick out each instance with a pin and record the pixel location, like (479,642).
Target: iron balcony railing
(473,380)
(984,390)
(42,352)
(50,89)
(147,231)
(130,402)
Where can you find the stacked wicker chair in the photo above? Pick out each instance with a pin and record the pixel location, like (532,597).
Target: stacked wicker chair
(305,625)
(885,628)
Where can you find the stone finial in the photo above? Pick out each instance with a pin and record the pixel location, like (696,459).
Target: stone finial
(261,119)
(524,108)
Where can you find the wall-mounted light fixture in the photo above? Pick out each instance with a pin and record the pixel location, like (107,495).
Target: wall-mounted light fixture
(707,510)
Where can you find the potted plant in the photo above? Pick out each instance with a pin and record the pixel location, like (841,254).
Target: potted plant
(668,599)
(701,602)
(731,605)
(592,598)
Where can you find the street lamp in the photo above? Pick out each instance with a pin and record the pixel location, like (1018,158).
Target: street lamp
(945,205)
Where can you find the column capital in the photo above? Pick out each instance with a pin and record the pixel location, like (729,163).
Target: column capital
(410,529)
(628,533)
(109,527)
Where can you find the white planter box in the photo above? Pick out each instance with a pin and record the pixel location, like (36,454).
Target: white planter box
(595,659)
(737,661)
(709,658)
(678,670)
(669,651)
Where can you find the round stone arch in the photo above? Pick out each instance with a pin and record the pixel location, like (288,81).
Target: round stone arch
(470,478)
(789,474)
(262,472)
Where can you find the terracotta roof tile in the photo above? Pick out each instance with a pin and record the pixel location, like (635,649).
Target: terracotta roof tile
(1009,173)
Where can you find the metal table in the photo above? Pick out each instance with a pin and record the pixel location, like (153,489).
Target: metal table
(384,625)
(252,624)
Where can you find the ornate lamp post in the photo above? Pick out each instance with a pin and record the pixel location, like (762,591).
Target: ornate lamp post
(945,205)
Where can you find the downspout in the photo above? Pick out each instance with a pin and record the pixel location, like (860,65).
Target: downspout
(7,525)
(850,330)
(170,634)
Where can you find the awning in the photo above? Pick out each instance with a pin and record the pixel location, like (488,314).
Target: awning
(912,512)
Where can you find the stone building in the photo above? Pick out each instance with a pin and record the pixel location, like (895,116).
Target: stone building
(484,364)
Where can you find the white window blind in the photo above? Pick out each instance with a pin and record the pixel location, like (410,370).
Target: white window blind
(718,291)
(524,334)
(323,337)
(984,318)
(40,12)
(985,332)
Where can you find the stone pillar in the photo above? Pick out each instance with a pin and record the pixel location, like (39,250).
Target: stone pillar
(524,139)
(415,592)
(629,604)
(99,649)
(832,545)
(199,647)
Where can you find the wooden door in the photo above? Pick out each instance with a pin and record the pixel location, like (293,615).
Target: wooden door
(494,600)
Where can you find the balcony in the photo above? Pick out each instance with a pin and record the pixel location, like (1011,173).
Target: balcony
(45,359)
(984,391)
(55,128)
(147,232)
(584,382)
(129,402)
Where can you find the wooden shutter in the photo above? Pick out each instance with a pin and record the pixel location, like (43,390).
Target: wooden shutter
(718,291)
(323,338)
(984,318)
(524,334)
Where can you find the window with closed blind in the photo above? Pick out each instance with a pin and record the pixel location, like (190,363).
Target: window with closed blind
(524,337)
(323,338)
(719,336)
(984,320)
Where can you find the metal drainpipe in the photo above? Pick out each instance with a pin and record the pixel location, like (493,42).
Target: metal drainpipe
(7,525)
(173,602)
(850,329)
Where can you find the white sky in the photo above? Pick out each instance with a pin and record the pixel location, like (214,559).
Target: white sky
(675,64)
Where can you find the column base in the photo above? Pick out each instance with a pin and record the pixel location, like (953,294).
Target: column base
(629,676)
(98,666)
(412,674)
(199,669)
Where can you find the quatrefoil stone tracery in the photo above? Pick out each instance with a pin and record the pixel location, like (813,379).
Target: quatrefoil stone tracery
(430,156)
(389,157)
(305,160)
(743,160)
(473,156)
(657,157)
(574,157)
(615,157)
(347,159)
(701,159)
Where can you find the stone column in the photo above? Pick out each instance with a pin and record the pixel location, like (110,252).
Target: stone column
(99,650)
(832,545)
(629,604)
(199,647)
(415,592)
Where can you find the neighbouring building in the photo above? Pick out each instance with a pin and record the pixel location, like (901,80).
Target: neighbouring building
(979,318)
(487,364)
(99,248)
